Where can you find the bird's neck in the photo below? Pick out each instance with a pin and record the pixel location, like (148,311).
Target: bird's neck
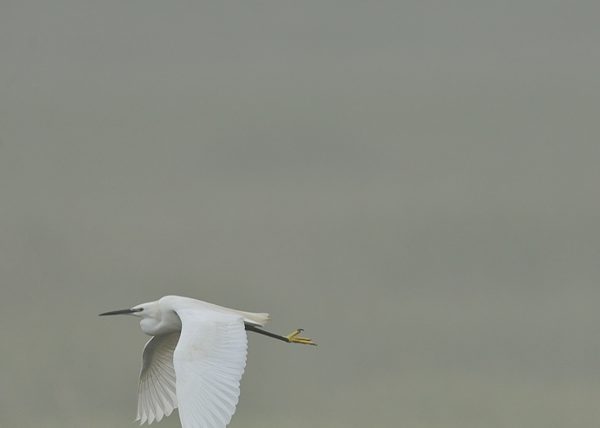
(169,322)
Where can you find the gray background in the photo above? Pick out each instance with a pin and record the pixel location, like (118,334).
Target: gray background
(415,183)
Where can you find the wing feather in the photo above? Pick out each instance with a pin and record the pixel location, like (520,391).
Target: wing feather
(209,361)
(157,395)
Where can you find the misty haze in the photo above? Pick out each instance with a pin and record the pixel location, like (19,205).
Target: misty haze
(413,183)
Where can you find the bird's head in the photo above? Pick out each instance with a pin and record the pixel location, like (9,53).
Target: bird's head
(143,310)
(153,320)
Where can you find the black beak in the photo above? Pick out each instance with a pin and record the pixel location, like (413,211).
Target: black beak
(120,312)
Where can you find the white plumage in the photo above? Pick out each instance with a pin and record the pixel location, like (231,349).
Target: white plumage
(195,359)
(157,393)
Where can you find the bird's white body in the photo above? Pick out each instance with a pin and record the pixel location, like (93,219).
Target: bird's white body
(161,317)
(194,361)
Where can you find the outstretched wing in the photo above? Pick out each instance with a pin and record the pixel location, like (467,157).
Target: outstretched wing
(209,362)
(156,389)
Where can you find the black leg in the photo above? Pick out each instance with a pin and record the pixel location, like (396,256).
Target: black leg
(250,327)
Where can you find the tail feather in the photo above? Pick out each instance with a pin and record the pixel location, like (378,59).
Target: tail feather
(256,319)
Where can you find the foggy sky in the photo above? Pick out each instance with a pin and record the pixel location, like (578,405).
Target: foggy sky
(413,183)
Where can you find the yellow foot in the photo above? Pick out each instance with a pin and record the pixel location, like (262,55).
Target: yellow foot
(294,337)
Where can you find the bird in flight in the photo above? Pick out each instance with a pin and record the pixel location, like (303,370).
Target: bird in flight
(195,359)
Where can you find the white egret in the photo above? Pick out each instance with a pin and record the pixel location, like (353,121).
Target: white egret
(195,359)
